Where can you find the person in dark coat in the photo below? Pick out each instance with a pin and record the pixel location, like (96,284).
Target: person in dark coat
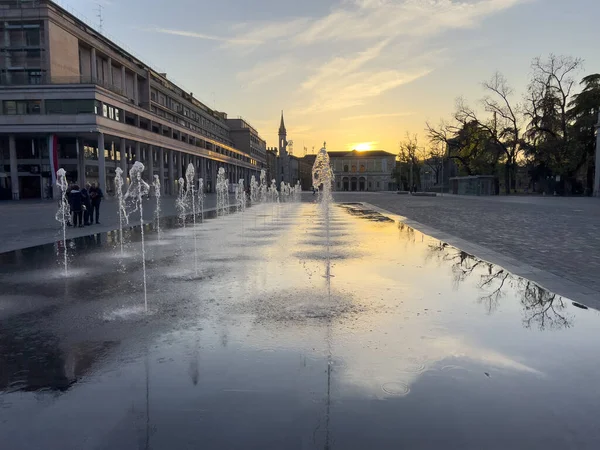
(96,197)
(76,202)
(87,204)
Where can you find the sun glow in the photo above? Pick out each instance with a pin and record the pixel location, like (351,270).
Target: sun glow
(362,146)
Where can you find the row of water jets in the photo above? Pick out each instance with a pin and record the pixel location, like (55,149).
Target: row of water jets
(190,201)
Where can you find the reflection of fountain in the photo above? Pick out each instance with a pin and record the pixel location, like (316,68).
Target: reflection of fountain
(63,214)
(156,185)
(138,188)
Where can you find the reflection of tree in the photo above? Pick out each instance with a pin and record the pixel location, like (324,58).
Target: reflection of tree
(540,307)
(543,308)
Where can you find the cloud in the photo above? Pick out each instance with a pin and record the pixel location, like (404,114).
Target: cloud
(264,72)
(208,37)
(376,116)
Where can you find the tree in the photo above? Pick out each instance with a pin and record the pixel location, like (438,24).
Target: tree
(434,159)
(410,156)
(547,110)
(583,116)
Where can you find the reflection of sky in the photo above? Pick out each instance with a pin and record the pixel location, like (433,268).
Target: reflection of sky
(259,333)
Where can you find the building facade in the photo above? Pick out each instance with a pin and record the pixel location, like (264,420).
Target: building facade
(69,95)
(363,171)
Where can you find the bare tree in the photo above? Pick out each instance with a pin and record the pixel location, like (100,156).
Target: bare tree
(547,104)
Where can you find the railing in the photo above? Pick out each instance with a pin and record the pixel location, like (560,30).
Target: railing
(27,79)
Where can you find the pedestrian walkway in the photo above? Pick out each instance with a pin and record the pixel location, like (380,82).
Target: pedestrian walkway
(30,223)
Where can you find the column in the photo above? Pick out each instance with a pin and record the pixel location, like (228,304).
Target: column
(110,77)
(171,180)
(135,89)
(150,164)
(597,175)
(179,165)
(94,65)
(80,163)
(124,160)
(14,173)
(101,164)
(138,152)
(161,169)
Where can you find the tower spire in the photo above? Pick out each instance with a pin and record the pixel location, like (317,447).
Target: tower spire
(282,131)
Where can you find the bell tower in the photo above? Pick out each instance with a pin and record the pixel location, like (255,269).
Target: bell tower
(284,160)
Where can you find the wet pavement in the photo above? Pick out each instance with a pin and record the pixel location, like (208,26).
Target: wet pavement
(290,332)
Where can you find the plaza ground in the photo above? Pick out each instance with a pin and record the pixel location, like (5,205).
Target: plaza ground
(557,240)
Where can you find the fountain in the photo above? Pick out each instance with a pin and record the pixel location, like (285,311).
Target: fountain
(189,193)
(156,186)
(180,203)
(240,196)
(138,188)
(201,197)
(222,187)
(63,215)
(254,190)
(263,186)
(121,205)
(322,178)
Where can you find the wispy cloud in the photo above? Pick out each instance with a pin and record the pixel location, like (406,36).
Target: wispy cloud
(265,72)
(376,116)
(208,37)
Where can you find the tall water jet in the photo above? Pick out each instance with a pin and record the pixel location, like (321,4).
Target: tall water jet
(263,186)
(190,174)
(240,196)
(201,197)
(138,188)
(222,186)
(254,190)
(180,203)
(322,178)
(121,204)
(156,186)
(63,215)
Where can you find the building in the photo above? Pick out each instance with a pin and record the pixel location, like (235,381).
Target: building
(363,171)
(72,98)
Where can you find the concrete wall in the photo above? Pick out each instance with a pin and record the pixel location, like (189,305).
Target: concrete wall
(64,52)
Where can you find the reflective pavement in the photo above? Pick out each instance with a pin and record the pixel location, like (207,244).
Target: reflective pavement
(289,334)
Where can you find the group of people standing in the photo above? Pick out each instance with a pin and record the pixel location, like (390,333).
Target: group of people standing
(84,204)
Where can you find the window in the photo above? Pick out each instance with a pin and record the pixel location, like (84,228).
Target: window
(12,107)
(32,37)
(353,168)
(35,77)
(345,167)
(105,110)
(362,168)
(378,184)
(111,112)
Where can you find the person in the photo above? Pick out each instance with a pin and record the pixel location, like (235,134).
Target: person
(96,197)
(86,204)
(76,202)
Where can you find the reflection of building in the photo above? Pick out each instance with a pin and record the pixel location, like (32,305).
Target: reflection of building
(363,171)
(72,98)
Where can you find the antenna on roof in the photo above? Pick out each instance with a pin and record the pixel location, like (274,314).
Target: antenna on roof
(100,19)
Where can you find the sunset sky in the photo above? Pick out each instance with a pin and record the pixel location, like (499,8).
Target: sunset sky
(349,72)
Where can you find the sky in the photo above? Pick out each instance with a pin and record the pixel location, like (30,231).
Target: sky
(353,73)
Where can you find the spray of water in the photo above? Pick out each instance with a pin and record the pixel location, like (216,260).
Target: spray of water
(63,214)
(222,189)
(263,186)
(240,196)
(322,177)
(121,203)
(138,188)
(254,190)
(201,197)
(181,202)
(156,185)
(191,196)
